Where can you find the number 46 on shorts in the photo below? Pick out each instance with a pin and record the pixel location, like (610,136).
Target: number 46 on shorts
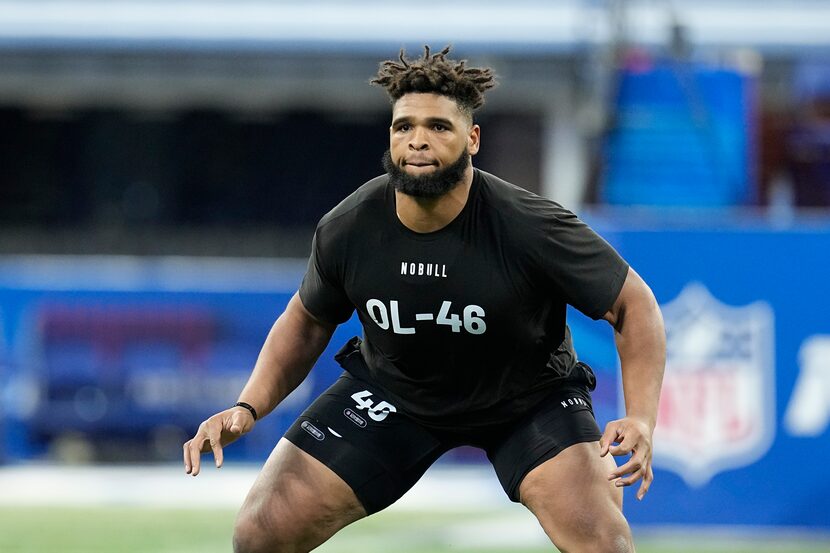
(376,412)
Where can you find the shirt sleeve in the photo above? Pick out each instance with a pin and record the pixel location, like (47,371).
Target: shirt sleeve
(585,269)
(321,291)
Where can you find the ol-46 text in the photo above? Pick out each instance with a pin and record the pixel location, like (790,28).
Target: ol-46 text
(386,317)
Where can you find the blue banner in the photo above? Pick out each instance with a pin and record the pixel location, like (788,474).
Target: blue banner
(130,356)
(124,358)
(743,422)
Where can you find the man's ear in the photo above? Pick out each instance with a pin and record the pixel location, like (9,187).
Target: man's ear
(474,140)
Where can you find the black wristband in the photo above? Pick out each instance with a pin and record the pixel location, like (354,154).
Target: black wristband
(248,407)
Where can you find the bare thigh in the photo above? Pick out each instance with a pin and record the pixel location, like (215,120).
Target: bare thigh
(295,504)
(579,509)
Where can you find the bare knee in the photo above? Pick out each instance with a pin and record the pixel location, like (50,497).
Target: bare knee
(275,525)
(580,511)
(598,527)
(256,533)
(614,539)
(248,536)
(296,504)
(583,531)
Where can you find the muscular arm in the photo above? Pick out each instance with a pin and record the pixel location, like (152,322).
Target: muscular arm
(641,344)
(293,345)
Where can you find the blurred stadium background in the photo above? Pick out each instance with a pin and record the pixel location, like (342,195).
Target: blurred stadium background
(164,165)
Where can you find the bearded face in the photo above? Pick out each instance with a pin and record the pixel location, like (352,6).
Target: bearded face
(431,184)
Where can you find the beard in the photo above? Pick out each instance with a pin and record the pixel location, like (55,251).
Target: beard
(432,185)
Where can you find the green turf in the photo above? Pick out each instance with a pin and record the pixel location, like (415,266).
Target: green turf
(117,529)
(135,530)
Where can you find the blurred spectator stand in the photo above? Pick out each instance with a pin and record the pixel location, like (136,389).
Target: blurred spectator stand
(121,361)
(808,142)
(93,355)
(680,136)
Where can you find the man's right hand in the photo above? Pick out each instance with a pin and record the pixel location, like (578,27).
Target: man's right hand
(218,431)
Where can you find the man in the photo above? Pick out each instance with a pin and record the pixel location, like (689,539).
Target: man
(461,282)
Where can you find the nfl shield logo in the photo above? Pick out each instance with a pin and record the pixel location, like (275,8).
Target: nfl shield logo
(717,407)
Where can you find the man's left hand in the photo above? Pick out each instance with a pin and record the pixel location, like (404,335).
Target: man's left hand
(631,435)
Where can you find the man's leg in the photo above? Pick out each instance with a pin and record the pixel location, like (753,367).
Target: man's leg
(351,453)
(579,509)
(295,504)
(549,461)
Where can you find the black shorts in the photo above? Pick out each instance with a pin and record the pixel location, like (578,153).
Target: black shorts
(381,452)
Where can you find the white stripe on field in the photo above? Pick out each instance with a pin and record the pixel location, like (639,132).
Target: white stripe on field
(168,486)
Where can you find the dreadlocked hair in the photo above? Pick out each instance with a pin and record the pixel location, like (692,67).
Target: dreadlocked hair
(437,74)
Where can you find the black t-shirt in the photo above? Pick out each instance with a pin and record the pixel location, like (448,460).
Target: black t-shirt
(464,325)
